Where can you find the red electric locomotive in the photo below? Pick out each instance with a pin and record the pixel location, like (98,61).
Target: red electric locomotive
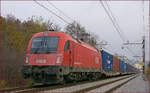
(57,57)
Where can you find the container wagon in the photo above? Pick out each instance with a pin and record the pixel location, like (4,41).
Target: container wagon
(116,65)
(121,66)
(107,63)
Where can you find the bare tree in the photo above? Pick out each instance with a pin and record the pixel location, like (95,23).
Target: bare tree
(78,32)
(75,30)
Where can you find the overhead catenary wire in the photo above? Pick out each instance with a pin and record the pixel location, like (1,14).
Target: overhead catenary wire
(51,11)
(119,28)
(115,24)
(113,17)
(130,50)
(59,10)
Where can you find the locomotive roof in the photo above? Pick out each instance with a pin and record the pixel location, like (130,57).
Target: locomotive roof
(62,34)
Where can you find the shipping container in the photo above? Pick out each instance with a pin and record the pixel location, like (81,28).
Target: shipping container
(115,64)
(107,61)
(121,66)
(131,68)
(135,69)
(127,67)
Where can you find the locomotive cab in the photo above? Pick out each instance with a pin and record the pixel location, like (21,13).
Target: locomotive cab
(45,55)
(44,51)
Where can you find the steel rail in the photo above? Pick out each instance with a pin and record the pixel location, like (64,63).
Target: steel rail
(118,86)
(102,85)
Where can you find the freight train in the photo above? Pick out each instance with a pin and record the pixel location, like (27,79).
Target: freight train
(55,57)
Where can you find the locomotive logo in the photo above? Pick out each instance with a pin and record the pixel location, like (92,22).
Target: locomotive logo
(40,61)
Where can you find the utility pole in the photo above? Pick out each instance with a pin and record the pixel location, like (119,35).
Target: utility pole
(0,48)
(143,49)
(149,33)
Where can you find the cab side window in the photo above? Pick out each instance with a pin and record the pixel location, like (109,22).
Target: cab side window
(67,45)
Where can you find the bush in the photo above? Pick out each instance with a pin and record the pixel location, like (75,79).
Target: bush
(30,83)
(3,84)
(15,38)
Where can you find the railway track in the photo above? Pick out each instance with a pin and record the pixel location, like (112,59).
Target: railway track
(107,87)
(119,85)
(88,87)
(83,86)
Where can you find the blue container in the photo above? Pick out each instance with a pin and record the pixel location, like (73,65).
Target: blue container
(121,66)
(135,70)
(107,61)
(127,67)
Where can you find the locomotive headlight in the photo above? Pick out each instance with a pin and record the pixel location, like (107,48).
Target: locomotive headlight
(58,60)
(27,59)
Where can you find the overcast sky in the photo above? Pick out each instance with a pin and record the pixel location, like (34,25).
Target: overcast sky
(91,15)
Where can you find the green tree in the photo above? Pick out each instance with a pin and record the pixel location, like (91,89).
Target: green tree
(15,37)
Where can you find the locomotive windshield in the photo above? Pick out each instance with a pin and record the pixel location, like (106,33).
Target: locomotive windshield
(44,45)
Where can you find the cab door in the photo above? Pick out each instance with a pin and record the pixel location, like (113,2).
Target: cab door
(72,53)
(67,54)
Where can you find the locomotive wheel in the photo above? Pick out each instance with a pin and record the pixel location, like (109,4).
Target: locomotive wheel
(90,77)
(63,82)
